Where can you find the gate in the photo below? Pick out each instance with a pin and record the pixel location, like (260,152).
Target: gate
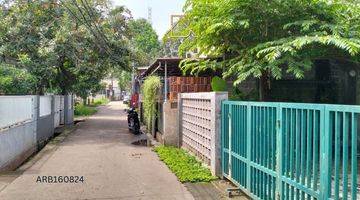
(291,151)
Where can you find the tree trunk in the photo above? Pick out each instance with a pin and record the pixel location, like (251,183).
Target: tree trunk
(264,87)
(63,91)
(84,101)
(66,77)
(40,89)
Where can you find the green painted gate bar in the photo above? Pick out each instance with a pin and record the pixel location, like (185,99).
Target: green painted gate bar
(291,151)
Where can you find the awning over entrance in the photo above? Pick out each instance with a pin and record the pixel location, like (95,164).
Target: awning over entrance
(162,65)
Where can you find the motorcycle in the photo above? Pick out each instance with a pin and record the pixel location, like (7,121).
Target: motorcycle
(133,121)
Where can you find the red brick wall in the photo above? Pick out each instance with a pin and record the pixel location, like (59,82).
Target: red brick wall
(188,85)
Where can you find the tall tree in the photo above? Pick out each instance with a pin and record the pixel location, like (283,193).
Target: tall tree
(25,38)
(265,39)
(67,45)
(144,41)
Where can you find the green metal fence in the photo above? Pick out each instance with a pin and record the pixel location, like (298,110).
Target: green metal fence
(291,151)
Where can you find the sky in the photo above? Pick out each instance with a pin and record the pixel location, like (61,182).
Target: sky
(161,11)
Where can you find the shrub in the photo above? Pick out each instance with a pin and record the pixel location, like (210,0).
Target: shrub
(81,110)
(218,84)
(150,92)
(100,102)
(184,165)
(16,81)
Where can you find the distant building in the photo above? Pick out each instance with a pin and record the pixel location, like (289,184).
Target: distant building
(112,90)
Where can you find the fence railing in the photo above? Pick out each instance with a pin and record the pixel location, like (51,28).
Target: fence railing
(291,151)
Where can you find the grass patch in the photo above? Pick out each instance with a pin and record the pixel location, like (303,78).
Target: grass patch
(184,165)
(100,102)
(81,110)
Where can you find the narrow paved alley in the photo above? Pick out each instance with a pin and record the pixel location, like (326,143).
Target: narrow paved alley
(100,150)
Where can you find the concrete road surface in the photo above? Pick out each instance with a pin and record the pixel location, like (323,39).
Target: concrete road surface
(101,152)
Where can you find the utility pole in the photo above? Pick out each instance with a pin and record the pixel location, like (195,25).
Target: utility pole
(150,15)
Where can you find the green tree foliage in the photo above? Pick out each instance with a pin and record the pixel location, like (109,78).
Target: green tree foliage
(144,46)
(124,78)
(150,91)
(68,46)
(25,34)
(16,81)
(266,39)
(144,41)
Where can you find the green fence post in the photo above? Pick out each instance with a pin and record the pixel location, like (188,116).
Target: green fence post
(248,145)
(354,128)
(325,149)
(279,151)
(230,136)
(222,138)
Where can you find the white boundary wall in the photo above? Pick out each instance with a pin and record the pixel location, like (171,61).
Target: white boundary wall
(45,105)
(199,126)
(15,110)
(26,122)
(18,132)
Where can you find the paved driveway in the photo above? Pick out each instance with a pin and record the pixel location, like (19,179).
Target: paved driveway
(100,150)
